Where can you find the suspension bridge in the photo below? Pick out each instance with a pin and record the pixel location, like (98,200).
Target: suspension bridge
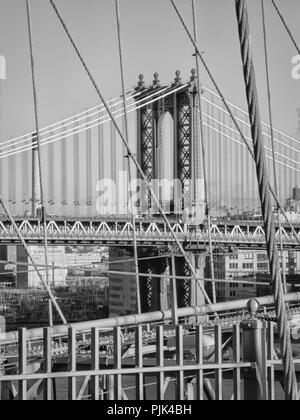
(150,171)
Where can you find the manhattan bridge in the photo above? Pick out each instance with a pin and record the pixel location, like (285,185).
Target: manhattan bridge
(105,176)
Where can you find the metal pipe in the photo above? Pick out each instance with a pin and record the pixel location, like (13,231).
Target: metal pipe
(62,330)
(254,345)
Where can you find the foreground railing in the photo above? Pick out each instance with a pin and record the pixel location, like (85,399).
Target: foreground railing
(240,362)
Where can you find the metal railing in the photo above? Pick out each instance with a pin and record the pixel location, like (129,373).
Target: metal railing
(232,363)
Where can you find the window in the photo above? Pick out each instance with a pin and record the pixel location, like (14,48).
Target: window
(262,257)
(114,296)
(247,266)
(248,256)
(263,266)
(116,288)
(233,266)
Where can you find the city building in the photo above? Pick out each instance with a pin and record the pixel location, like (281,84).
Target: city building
(7,268)
(122,289)
(82,259)
(249,266)
(81,281)
(27,278)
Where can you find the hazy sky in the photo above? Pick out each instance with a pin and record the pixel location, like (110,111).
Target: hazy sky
(153,40)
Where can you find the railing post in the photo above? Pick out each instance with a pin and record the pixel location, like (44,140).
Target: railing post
(117,383)
(179,363)
(254,351)
(47,366)
(22,347)
(95,389)
(139,362)
(72,391)
(160,362)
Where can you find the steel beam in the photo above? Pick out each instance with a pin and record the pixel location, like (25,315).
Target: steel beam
(159,316)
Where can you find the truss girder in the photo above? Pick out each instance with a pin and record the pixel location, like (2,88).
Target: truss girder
(154,232)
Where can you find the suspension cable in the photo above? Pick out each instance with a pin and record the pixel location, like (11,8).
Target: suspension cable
(207,204)
(89,126)
(36,114)
(94,123)
(98,113)
(130,202)
(134,159)
(67,121)
(286,26)
(243,144)
(272,139)
(242,111)
(265,196)
(204,114)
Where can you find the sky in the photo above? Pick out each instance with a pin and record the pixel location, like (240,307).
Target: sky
(153,40)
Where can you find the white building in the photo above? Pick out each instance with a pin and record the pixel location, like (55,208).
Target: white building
(82,260)
(244,265)
(27,276)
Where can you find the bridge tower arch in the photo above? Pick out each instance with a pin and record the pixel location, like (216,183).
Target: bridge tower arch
(180,100)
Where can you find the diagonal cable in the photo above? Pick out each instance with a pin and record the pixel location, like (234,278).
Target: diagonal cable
(286,26)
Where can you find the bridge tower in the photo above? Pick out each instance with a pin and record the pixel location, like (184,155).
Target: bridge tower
(181,101)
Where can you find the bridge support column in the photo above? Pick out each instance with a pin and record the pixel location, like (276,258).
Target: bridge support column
(255,351)
(154,294)
(188,291)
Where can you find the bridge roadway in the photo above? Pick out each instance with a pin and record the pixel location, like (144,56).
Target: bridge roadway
(118,231)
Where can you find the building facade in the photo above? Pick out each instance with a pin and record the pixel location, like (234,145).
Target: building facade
(27,278)
(122,296)
(82,259)
(244,265)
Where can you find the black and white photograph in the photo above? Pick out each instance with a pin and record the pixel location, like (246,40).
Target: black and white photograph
(149,203)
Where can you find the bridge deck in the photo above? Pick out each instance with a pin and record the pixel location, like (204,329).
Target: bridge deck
(113,232)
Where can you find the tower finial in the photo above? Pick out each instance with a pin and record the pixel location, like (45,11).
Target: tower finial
(194,75)
(141,83)
(178,80)
(156,82)
(193,85)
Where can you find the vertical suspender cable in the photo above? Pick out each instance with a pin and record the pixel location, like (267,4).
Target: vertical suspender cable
(291,390)
(134,159)
(130,203)
(207,206)
(273,141)
(35,99)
